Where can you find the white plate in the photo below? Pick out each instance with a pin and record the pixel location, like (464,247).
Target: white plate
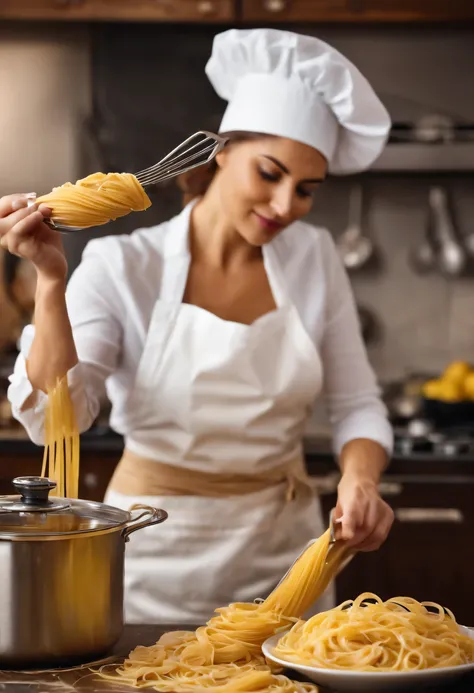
(356,681)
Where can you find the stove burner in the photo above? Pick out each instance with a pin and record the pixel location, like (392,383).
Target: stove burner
(419,437)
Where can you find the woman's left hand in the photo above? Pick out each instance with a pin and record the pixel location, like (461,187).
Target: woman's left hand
(365,518)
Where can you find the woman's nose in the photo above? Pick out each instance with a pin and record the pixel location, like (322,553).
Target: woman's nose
(282,201)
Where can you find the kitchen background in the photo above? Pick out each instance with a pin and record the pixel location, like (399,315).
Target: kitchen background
(77,97)
(141,88)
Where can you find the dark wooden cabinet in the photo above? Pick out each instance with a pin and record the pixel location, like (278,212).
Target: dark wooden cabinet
(240,11)
(412,10)
(429,554)
(357,10)
(120,10)
(296,10)
(96,472)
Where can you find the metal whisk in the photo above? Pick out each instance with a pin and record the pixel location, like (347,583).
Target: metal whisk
(197,150)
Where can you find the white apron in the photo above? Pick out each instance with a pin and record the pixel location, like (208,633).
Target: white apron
(225,397)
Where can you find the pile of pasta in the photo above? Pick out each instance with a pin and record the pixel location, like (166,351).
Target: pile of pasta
(225,654)
(96,200)
(61,451)
(370,635)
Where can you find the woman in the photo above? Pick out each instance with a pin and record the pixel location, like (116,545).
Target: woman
(214,334)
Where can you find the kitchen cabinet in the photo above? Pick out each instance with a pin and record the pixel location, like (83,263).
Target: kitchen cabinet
(356,10)
(240,11)
(429,554)
(296,10)
(120,10)
(413,10)
(96,471)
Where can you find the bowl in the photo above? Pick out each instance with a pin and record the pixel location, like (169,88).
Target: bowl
(448,414)
(357,681)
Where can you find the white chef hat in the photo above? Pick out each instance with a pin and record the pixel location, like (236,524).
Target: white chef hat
(295,86)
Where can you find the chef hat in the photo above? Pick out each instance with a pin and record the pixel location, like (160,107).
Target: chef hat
(295,86)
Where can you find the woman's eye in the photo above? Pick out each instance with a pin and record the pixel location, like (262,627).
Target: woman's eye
(307,191)
(266,175)
(302,192)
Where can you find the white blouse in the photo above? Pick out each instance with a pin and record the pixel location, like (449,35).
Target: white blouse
(111,296)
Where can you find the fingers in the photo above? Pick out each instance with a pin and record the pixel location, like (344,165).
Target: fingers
(365,517)
(8,226)
(352,520)
(16,221)
(12,203)
(19,227)
(45,211)
(380,532)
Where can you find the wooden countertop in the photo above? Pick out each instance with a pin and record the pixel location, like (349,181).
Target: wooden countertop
(83,681)
(318,452)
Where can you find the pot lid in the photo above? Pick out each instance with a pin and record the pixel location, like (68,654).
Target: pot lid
(33,513)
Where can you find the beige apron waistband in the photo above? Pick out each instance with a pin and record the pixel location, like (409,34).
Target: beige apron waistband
(139,476)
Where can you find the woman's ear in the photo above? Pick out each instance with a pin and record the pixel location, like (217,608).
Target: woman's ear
(194,183)
(221,158)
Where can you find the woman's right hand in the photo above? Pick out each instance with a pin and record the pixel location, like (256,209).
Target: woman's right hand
(24,233)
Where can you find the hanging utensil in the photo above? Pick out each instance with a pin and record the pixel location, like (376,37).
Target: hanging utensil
(355,249)
(423,257)
(467,240)
(368,323)
(451,257)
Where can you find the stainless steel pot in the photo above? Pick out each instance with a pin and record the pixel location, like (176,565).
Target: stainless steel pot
(61,574)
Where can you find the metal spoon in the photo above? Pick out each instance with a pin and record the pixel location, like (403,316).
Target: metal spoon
(467,239)
(355,248)
(423,257)
(451,257)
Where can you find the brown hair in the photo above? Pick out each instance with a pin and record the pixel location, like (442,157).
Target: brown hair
(195,183)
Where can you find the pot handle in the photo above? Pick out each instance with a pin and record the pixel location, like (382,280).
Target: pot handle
(153,516)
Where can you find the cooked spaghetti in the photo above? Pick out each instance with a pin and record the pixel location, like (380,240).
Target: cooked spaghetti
(96,200)
(61,451)
(225,655)
(368,634)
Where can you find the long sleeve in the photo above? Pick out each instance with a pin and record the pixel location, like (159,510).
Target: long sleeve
(94,308)
(351,391)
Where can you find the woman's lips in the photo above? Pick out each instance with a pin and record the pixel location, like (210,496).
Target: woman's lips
(268,224)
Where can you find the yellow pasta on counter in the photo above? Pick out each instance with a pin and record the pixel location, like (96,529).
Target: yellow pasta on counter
(225,655)
(96,200)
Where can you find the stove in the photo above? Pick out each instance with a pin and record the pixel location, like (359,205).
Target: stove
(420,437)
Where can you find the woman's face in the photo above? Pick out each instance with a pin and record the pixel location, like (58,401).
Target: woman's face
(267,183)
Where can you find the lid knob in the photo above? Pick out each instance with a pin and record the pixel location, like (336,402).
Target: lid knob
(34,490)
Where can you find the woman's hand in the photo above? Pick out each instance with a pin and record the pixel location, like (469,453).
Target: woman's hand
(24,233)
(365,518)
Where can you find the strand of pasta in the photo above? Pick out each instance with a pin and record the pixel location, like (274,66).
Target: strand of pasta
(225,654)
(61,451)
(368,634)
(96,200)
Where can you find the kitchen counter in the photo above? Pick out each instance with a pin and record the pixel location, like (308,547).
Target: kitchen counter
(83,681)
(430,497)
(102,440)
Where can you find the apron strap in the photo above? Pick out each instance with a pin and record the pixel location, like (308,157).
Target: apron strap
(139,476)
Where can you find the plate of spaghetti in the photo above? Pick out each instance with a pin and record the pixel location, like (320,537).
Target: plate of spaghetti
(371,645)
